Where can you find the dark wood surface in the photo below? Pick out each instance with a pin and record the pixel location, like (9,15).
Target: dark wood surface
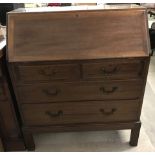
(113,69)
(135,134)
(80,112)
(117,69)
(86,71)
(46,72)
(10,131)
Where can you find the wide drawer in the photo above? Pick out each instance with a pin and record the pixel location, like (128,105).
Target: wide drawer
(80,112)
(46,72)
(114,69)
(112,90)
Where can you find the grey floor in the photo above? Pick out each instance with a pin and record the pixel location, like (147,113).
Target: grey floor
(148,110)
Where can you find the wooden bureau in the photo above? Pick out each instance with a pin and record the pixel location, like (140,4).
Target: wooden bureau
(76,70)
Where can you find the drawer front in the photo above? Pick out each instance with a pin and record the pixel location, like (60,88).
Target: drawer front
(114,69)
(80,112)
(38,93)
(33,73)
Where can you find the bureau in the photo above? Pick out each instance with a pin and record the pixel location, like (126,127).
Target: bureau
(76,70)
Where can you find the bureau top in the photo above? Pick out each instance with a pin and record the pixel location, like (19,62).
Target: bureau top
(77,34)
(75,8)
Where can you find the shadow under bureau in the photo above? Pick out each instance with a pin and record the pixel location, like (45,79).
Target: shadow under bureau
(78,70)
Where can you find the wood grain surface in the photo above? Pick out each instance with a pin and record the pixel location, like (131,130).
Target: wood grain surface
(77,35)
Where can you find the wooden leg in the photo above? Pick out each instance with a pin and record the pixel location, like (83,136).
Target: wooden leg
(135,134)
(29,141)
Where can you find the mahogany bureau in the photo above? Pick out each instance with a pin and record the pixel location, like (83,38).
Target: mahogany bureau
(76,70)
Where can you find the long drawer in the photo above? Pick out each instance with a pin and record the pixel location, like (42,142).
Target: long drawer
(80,112)
(112,90)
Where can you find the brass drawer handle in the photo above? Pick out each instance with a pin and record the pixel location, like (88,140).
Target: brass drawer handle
(51,92)
(47,72)
(104,71)
(108,91)
(108,112)
(54,114)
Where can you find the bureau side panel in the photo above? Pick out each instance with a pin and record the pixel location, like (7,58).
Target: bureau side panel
(9,124)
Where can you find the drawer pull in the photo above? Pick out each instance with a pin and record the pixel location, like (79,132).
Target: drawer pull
(54,114)
(104,71)
(108,91)
(51,92)
(47,72)
(107,112)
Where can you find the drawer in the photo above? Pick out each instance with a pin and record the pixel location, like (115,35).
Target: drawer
(33,73)
(111,90)
(80,112)
(113,69)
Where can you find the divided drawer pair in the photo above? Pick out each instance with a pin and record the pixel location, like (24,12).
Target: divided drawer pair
(112,69)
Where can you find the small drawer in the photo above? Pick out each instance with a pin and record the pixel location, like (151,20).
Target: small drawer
(80,112)
(34,73)
(112,90)
(114,69)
